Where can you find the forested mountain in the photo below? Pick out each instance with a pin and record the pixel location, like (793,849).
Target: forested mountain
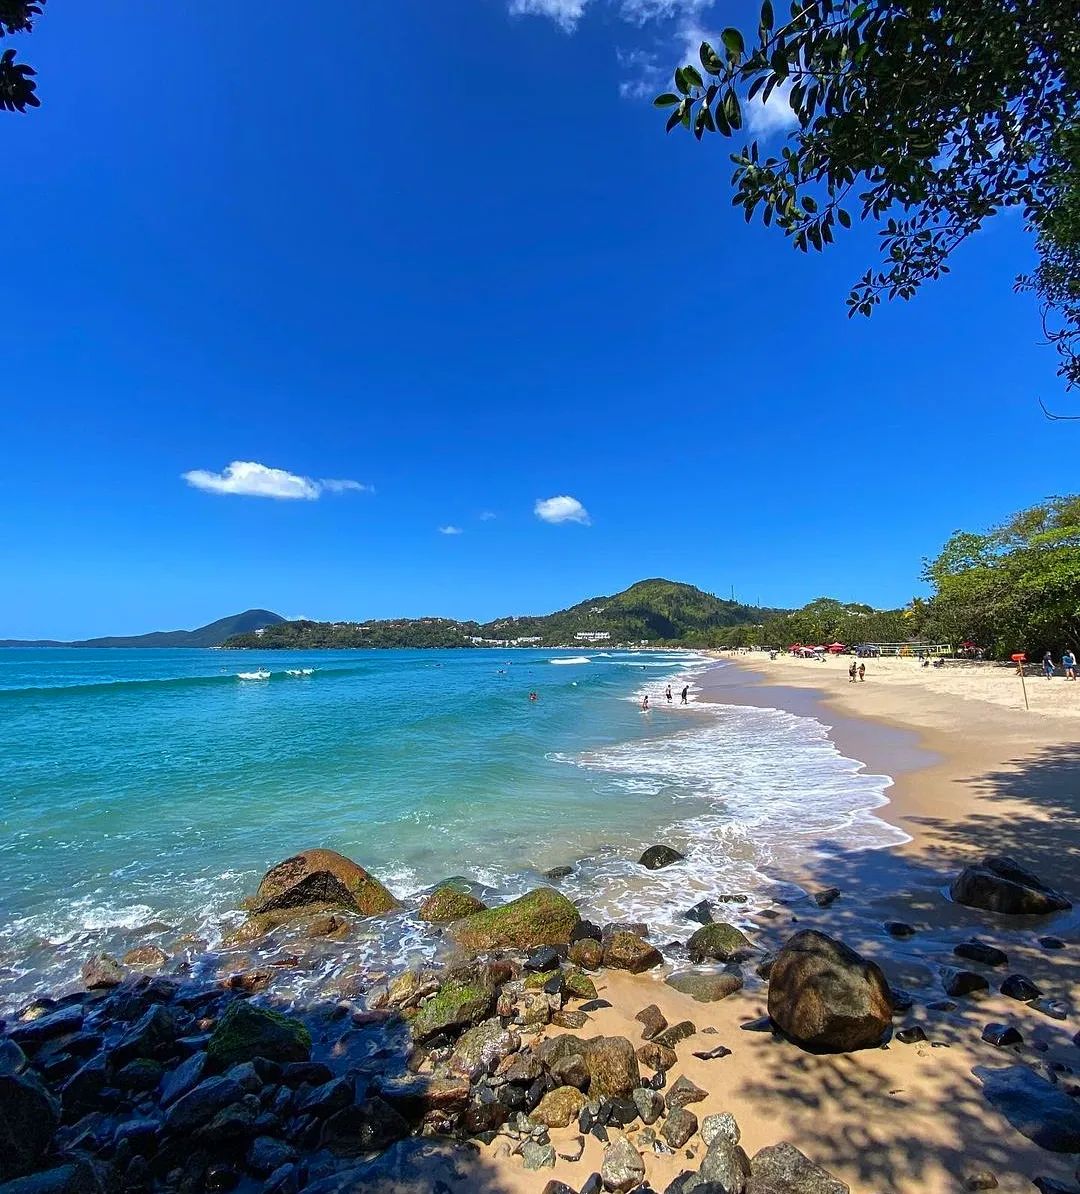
(652,610)
(211,635)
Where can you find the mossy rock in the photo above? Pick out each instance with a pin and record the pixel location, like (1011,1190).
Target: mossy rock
(245,1032)
(537,982)
(587,953)
(448,902)
(541,917)
(718,942)
(456,1005)
(578,984)
(322,877)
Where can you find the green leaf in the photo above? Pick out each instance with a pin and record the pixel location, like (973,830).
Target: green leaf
(710,60)
(680,81)
(766,14)
(733,42)
(690,73)
(667,100)
(674,119)
(843,217)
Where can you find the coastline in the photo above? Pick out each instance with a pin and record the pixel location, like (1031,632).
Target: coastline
(970,778)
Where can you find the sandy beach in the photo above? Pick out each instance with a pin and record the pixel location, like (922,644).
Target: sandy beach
(974,774)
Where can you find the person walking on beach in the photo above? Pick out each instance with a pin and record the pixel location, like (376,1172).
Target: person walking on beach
(1048,665)
(684,692)
(862,672)
(852,672)
(645,703)
(668,694)
(1068,662)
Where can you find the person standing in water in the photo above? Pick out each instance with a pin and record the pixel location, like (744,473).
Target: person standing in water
(684,692)
(668,694)
(645,703)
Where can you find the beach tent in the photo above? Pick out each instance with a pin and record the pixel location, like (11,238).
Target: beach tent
(835,648)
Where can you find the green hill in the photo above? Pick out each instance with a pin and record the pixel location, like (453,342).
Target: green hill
(211,635)
(657,611)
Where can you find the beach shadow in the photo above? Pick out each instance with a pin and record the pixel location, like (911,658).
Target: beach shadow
(901,1115)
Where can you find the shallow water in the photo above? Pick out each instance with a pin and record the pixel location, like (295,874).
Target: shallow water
(144,792)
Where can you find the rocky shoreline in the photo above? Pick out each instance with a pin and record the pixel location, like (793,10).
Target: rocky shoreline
(145,1082)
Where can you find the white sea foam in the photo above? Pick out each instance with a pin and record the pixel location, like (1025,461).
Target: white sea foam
(262,674)
(572,659)
(753,793)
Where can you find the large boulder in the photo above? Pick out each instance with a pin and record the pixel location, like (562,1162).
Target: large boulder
(541,917)
(782,1169)
(1036,1109)
(718,942)
(245,1032)
(29,1116)
(1001,884)
(826,997)
(321,877)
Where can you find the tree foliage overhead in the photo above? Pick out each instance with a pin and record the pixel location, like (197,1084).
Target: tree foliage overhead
(924,117)
(1014,588)
(17,86)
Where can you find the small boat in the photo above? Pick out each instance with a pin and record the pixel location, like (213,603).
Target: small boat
(261,674)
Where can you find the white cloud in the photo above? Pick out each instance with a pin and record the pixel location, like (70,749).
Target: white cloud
(775,116)
(450,530)
(561,509)
(250,479)
(487,515)
(565,13)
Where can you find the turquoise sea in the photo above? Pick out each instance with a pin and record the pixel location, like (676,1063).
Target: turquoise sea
(144,792)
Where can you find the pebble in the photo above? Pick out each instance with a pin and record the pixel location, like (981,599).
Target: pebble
(680,1126)
(722,1124)
(983,1180)
(652,1020)
(962,982)
(537,1156)
(684,1091)
(676,1033)
(1001,1035)
(899,928)
(826,897)
(1018,986)
(761,1024)
(1051,943)
(714,1054)
(1056,1009)
(911,1036)
(978,951)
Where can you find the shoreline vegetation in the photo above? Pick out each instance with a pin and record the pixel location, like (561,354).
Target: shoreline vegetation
(906,1024)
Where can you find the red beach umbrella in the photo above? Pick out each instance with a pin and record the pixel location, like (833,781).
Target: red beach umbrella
(835,648)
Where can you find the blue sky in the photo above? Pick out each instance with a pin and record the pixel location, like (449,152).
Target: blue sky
(445,250)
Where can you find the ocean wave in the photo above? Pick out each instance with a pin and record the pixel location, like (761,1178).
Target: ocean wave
(572,659)
(161,683)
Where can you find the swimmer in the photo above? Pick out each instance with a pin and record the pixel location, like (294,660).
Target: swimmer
(645,704)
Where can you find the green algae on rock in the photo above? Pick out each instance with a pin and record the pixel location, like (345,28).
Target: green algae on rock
(245,1031)
(541,917)
(458,1003)
(449,902)
(718,942)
